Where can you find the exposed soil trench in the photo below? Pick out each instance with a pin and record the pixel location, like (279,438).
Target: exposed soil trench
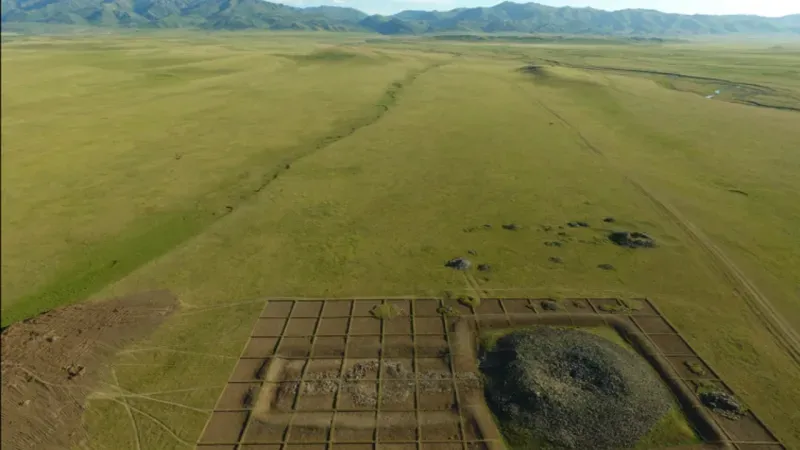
(420,379)
(52,362)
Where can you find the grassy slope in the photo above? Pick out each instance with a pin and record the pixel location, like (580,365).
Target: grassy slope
(158,143)
(379,211)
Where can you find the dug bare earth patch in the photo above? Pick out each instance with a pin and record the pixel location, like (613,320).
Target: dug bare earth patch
(521,369)
(52,362)
(572,389)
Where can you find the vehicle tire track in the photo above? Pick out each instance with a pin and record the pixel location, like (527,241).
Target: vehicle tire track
(758,303)
(473,285)
(783,333)
(124,403)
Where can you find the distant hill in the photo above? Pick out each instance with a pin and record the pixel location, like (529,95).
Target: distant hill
(213,14)
(505,17)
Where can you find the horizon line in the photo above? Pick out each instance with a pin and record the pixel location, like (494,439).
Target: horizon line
(541,4)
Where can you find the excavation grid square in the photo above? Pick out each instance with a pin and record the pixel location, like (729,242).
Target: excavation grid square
(329,373)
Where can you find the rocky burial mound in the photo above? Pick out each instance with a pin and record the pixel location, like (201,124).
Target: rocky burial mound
(570,389)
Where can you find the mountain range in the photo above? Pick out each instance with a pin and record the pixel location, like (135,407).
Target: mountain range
(505,17)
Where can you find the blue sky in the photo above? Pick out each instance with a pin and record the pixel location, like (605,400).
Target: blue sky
(760,7)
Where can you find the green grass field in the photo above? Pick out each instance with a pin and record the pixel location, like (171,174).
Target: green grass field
(227,167)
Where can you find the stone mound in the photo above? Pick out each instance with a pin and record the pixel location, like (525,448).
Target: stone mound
(634,239)
(570,389)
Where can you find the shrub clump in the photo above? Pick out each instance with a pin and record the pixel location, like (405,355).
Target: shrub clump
(571,389)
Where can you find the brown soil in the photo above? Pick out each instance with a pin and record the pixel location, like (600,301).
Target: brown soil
(310,309)
(757,447)
(249,370)
(653,325)
(577,305)
(365,326)
(363,308)
(260,347)
(269,327)
(605,305)
(329,346)
(340,308)
(301,327)
(238,396)
(431,346)
(397,426)
(224,426)
(313,427)
(689,367)
(333,327)
(398,347)
(296,347)
(426,308)
(429,325)
(492,306)
(344,433)
(745,429)
(671,344)
(398,326)
(396,447)
(52,362)
(517,306)
(277,309)
(439,426)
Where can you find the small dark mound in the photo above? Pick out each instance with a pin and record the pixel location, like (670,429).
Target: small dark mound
(533,70)
(572,389)
(605,266)
(577,224)
(723,404)
(632,240)
(484,267)
(609,220)
(555,259)
(553,244)
(549,305)
(458,264)
(511,226)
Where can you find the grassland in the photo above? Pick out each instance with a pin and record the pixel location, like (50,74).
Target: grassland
(230,167)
